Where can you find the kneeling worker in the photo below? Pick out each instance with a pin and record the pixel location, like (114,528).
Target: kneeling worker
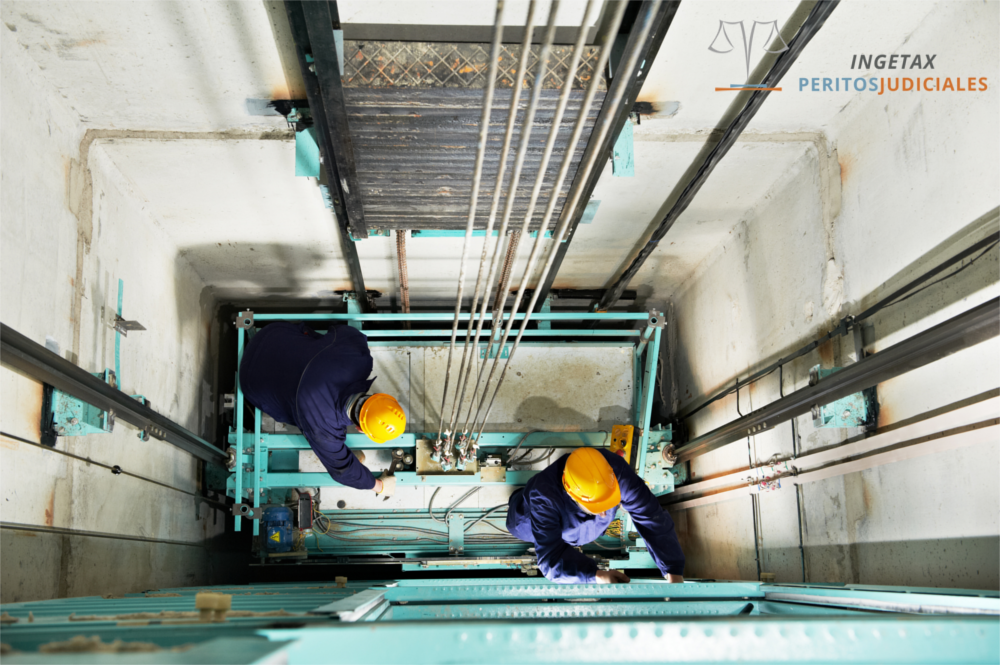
(319,383)
(572,502)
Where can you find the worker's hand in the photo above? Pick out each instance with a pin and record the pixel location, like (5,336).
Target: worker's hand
(611,577)
(385,486)
(674,579)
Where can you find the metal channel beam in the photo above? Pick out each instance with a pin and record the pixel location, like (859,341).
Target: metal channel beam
(24,355)
(838,639)
(347,224)
(320,18)
(447,316)
(967,329)
(817,17)
(634,81)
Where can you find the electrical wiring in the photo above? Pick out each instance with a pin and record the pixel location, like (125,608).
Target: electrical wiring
(511,460)
(391,527)
(430,504)
(500,529)
(510,455)
(485,515)
(528,462)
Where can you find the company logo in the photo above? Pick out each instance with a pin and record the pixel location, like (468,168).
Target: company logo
(920,81)
(724,44)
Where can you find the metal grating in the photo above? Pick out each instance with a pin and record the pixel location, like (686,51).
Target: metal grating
(439,65)
(415,150)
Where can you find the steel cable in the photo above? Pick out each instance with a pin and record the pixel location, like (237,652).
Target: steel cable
(615,97)
(515,100)
(484,128)
(539,180)
(522,148)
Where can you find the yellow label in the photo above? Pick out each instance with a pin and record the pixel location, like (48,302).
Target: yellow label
(621,441)
(276,536)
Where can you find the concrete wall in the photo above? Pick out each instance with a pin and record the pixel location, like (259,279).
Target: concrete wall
(918,177)
(67,240)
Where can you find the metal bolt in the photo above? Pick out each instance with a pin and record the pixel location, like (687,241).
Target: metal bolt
(61,431)
(117,470)
(73,421)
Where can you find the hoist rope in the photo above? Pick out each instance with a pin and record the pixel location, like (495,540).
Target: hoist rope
(614,99)
(484,128)
(515,99)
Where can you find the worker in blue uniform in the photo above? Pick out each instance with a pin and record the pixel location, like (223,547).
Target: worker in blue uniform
(319,383)
(572,502)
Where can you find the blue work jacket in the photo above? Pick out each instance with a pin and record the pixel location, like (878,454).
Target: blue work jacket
(299,377)
(544,514)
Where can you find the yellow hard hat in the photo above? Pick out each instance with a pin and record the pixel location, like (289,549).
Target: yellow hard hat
(590,480)
(382,418)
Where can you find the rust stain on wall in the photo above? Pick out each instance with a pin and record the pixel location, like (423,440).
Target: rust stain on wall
(885,416)
(51,510)
(846,163)
(825,351)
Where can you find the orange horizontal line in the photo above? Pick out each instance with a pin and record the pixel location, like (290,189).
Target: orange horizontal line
(719,89)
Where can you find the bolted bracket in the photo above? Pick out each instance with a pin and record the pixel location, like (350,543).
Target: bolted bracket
(68,416)
(245,320)
(123,326)
(247,511)
(456,534)
(657,319)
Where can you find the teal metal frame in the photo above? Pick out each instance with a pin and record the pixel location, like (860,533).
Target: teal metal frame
(518,620)
(265,465)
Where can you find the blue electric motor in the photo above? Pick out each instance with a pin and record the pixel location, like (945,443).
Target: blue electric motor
(276,528)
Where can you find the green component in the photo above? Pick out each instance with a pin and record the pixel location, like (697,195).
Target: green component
(590,212)
(306,154)
(607,610)
(680,472)
(74,417)
(265,466)
(525,620)
(658,472)
(456,534)
(851,411)
(493,350)
(353,307)
(623,160)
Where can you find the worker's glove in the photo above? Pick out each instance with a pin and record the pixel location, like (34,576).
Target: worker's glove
(388,486)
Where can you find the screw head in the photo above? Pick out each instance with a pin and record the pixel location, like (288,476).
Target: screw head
(117,470)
